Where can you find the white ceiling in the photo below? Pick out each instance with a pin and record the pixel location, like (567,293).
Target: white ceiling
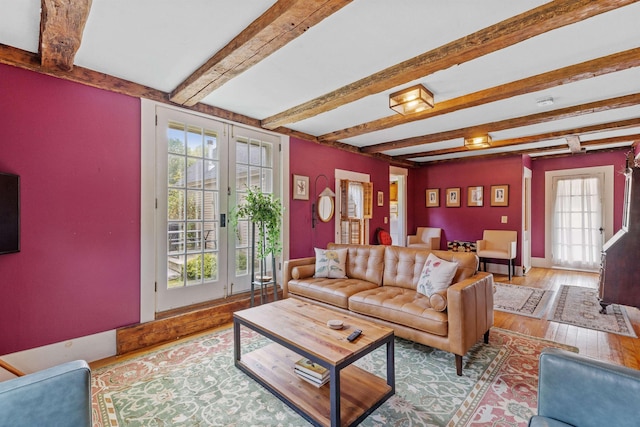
(159,43)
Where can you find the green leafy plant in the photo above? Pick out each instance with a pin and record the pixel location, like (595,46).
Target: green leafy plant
(265,211)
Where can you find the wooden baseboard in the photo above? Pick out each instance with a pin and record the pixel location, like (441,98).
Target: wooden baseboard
(179,323)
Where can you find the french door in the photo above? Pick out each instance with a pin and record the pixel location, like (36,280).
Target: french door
(578,221)
(203,167)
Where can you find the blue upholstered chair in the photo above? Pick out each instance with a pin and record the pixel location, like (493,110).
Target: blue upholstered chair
(55,397)
(579,391)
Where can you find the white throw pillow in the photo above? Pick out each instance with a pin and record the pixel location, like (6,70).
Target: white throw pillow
(331,264)
(437,275)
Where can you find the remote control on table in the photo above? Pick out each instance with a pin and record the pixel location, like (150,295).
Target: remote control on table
(355,334)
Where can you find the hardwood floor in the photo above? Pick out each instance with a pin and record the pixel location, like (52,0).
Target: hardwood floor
(614,348)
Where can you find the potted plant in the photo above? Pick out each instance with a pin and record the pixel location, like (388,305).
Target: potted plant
(265,211)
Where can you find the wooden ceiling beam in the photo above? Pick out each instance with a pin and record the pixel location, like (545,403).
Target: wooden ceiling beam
(547,17)
(61,26)
(30,61)
(280,24)
(574,73)
(562,113)
(618,125)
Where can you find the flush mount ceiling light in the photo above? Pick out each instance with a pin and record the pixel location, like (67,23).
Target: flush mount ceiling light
(483,141)
(411,100)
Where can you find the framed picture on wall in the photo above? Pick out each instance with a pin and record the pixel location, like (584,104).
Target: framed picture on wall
(433,197)
(453,197)
(475,197)
(500,195)
(380,198)
(300,187)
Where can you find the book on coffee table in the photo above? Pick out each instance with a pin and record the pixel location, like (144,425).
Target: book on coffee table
(318,382)
(312,369)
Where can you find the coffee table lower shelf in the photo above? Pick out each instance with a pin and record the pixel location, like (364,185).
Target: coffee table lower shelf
(361,392)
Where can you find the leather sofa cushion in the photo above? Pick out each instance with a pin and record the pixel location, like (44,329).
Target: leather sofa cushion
(303,271)
(402,266)
(402,306)
(364,262)
(331,291)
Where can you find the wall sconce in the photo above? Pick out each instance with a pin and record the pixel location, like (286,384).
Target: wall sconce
(323,206)
(411,100)
(483,141)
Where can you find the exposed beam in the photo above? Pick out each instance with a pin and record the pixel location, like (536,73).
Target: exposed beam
(618,125)
(30,61)
(574,73)
(61,25)
(547,17)
(562,113)
(280,24)
(550,149)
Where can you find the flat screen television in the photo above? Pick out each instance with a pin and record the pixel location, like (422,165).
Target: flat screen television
(9,213)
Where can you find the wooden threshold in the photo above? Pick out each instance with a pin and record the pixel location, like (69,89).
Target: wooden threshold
(178,323)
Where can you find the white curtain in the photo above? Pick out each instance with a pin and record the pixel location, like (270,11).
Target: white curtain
(577,222)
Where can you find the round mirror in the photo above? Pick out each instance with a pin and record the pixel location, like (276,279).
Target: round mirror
(325,208)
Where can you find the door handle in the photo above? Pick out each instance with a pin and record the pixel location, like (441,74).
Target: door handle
(223,220)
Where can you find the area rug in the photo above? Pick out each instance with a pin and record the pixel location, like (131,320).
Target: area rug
(579,306)
(522,300)
(195,383)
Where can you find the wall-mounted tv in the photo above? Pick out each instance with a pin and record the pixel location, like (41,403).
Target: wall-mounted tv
(9,213)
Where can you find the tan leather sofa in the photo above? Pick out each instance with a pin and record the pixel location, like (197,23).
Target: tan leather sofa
(381,286)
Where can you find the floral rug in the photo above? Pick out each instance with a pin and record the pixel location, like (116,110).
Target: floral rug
(195,383)
(522,300)
(579,306)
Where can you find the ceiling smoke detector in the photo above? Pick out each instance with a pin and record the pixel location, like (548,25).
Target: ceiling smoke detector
(544,102)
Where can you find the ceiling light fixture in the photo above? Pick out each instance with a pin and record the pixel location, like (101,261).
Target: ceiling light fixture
(544,102)
(411,100)
(483,141)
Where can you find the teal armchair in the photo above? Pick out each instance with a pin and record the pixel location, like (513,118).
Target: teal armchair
(56,397)
(578,391)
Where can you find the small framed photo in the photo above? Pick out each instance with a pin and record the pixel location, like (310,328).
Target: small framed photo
(453,197)
(475,197)
(380,198)
(300,187)
(433,197)
(500,195)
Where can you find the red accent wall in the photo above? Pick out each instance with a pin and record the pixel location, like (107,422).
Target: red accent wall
(77,151)
(540,166)
(466,222)
(311,159)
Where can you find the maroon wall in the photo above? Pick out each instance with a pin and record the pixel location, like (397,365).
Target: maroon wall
(466,222)
(310,159)
(541,166)
(77,151)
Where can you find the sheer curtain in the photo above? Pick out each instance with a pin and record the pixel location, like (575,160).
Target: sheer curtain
(577,222)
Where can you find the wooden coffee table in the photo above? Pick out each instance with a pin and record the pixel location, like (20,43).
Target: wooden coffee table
(299,329)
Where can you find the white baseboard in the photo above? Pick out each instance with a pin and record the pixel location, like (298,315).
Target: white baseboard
(89,348)
(541,262)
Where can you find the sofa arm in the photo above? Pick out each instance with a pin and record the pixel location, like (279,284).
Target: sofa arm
(513,247)
(585,392)
(58,396)
(469,311)
(412,239)
(288,266)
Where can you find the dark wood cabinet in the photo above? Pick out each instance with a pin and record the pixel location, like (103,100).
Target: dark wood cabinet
(620,269)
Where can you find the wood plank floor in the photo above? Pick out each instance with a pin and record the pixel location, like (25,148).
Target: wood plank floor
(614,348)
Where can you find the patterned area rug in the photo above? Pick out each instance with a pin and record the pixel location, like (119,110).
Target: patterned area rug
(194,383)
(579,306)
(521,300)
